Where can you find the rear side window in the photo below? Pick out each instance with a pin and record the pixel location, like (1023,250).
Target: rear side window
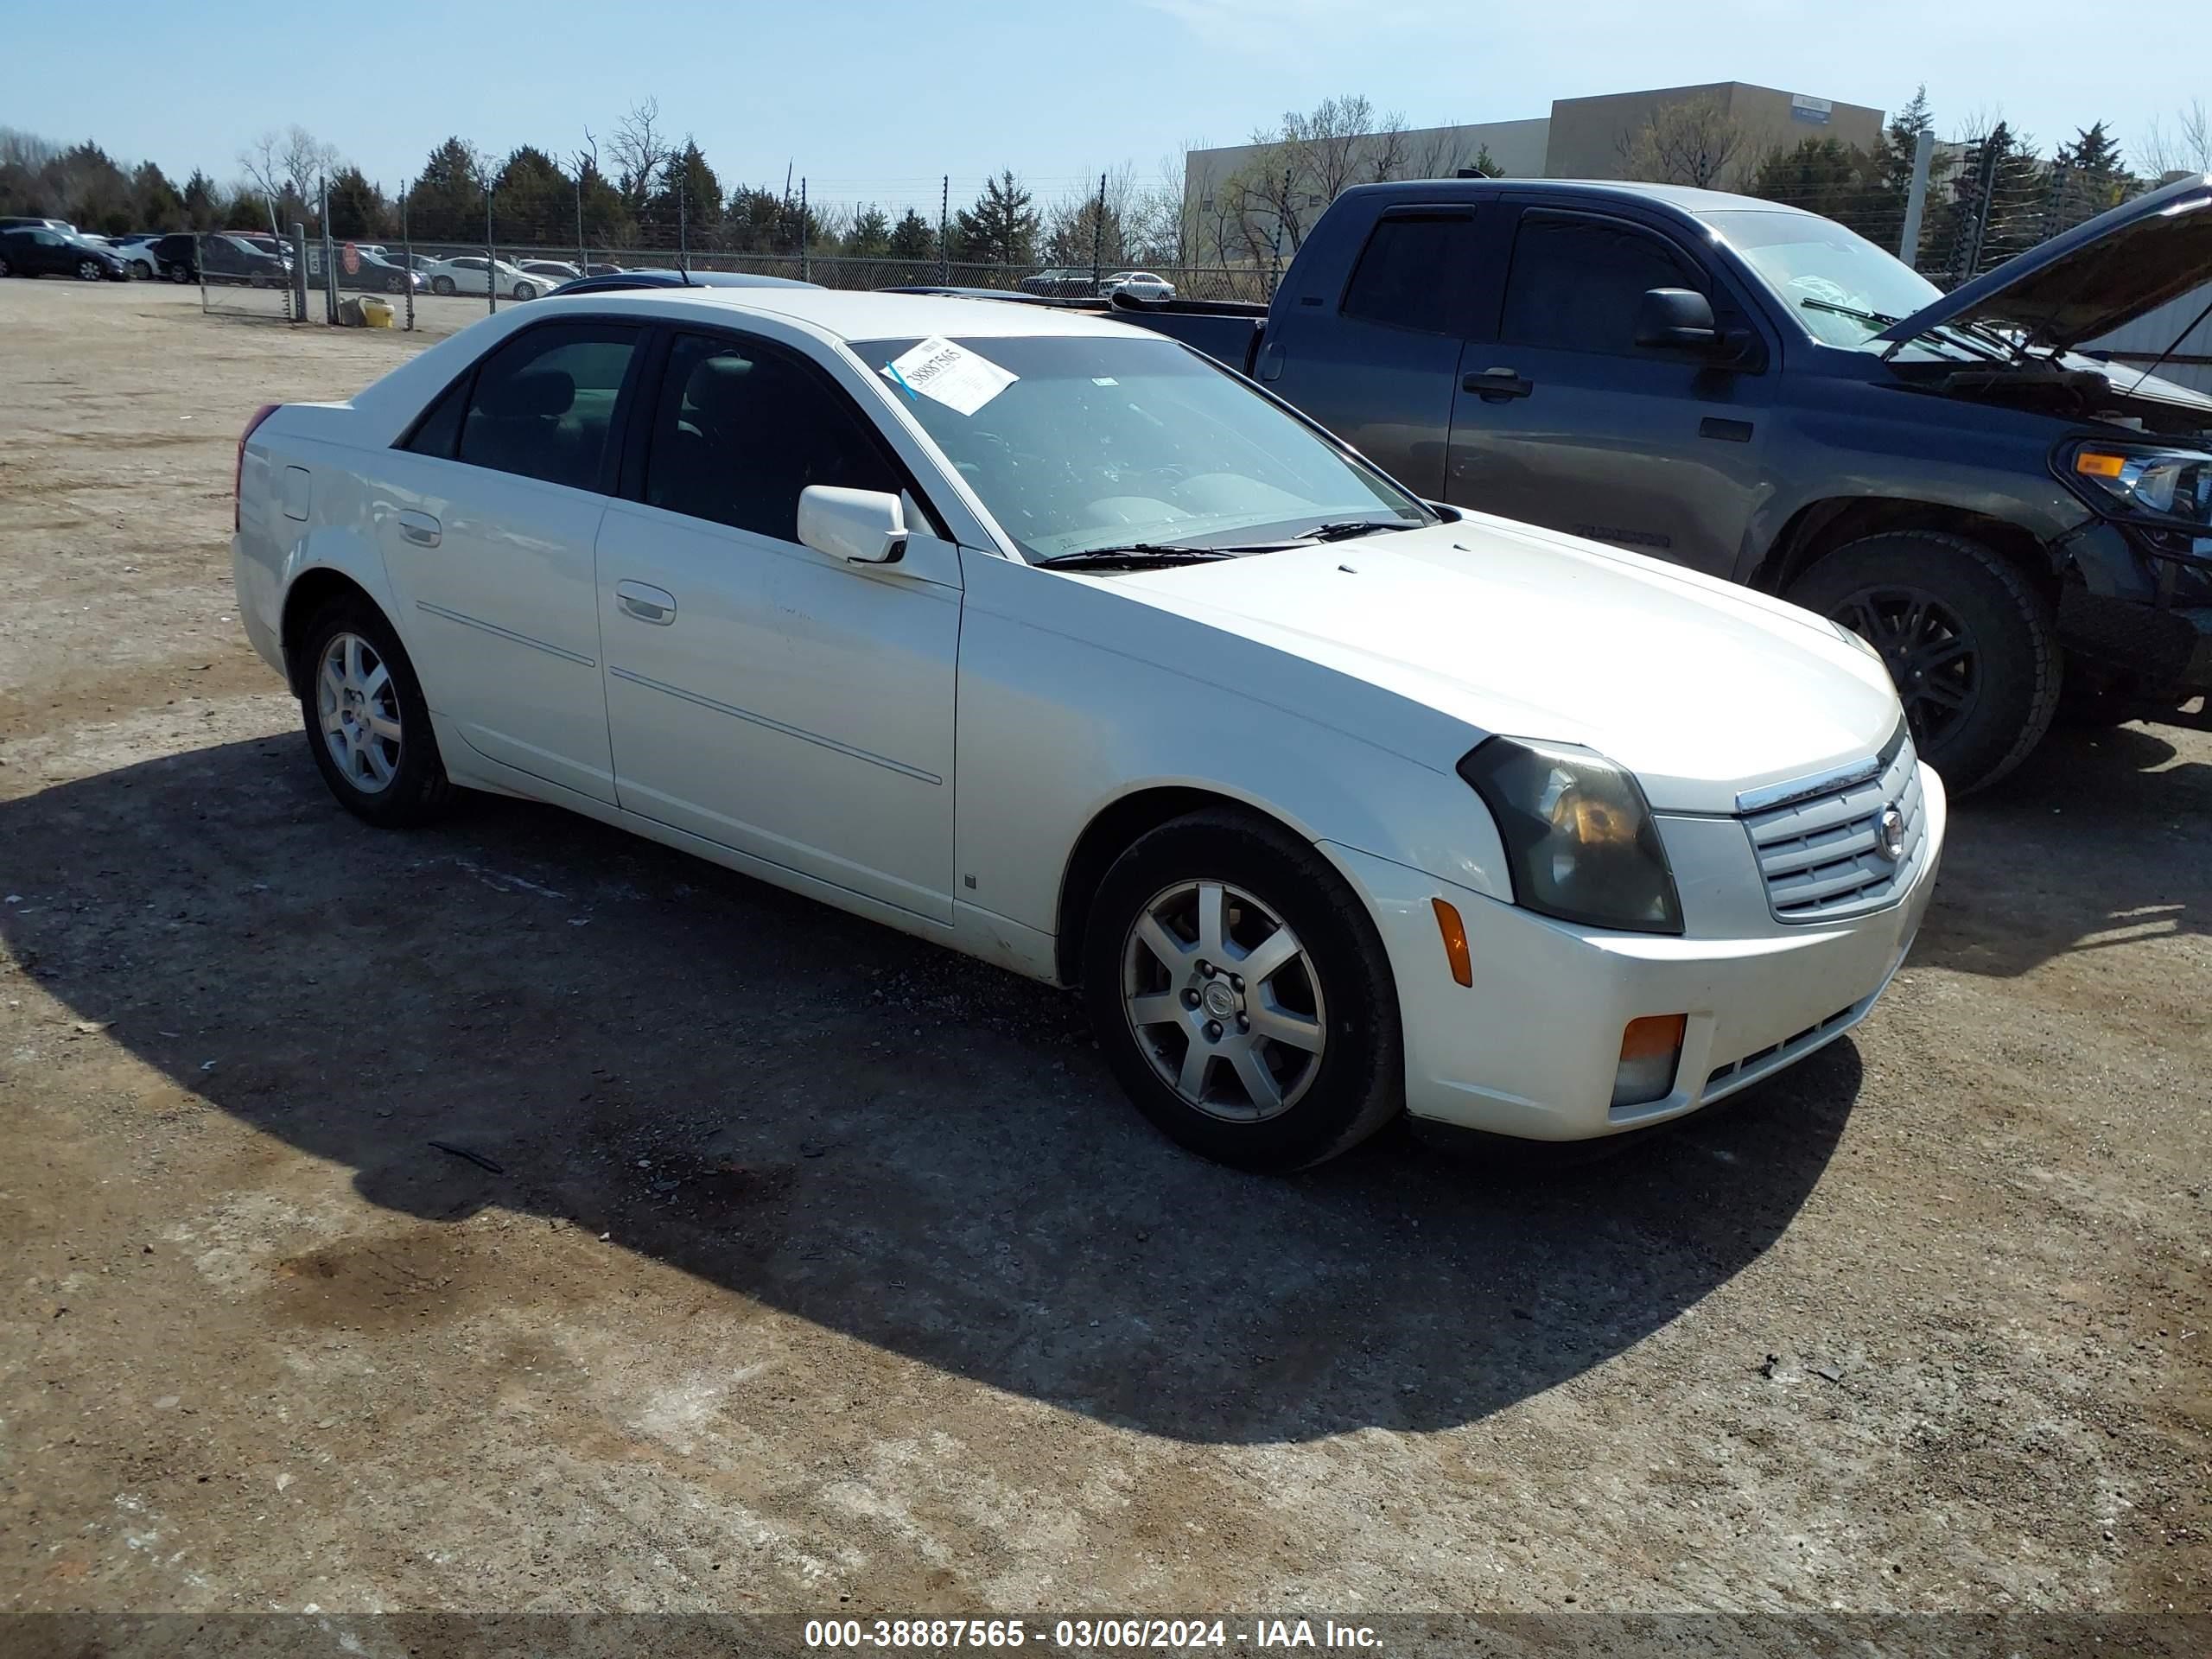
(542,405)
(1413,273)
(741,430)
(1576,282)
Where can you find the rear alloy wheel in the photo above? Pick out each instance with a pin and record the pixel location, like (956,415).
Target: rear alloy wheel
(1241,995)
(88,270)
(1970,643)
(367,723)
(4,268)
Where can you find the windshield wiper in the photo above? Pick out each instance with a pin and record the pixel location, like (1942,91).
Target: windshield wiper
(1135,553)
(1851,311)
(1342,529)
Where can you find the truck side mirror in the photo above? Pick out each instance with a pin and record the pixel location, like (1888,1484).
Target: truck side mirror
(1680,318)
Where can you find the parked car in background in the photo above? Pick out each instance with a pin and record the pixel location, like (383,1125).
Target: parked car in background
(475,274)
(1333,804)
(34,250)
(1759,393)
(19,224)
(1138,285)
(1060,282)
(136,249)
(372,272)
(229,259)
(553,270)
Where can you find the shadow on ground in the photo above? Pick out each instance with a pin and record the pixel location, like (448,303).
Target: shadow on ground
(2097,840)
(803,1109)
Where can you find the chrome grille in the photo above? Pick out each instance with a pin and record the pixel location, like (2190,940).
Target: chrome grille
(1820,855)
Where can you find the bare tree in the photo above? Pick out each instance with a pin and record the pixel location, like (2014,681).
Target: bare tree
(641,152)
(1389,151)
(1440,153)
(1694,142)
(2187,148)
(1298,170)
(283,167)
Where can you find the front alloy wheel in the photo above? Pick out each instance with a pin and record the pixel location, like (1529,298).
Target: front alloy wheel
(1204,961)
(1223,1001)
(1928,652)
(88,270)
(441,285)
(360,706)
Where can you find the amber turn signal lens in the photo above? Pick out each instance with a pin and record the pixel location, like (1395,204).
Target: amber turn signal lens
(2094,463)
(1652,1036)
(1455,942)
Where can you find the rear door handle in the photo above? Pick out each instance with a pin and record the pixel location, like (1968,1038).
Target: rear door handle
(646,604)
(1496,386)
(420,528)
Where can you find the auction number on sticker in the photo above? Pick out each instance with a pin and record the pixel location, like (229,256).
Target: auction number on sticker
(924,1633)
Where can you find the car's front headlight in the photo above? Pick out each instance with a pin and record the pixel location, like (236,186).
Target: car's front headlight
(1578,833)
(2163,483)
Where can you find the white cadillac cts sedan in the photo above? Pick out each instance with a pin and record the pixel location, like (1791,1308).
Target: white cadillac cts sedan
(1044,638)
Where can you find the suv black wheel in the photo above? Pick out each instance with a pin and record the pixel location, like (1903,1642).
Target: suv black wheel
(1970,643)
(1240,995)
(367,724)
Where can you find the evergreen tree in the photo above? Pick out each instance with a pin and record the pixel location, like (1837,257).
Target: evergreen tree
(155,204)
(533,202)
(359,212)
(689,200)
(1001,229)
(200,204)
(912,237)
(869,237)
(1821,175)
(446,202)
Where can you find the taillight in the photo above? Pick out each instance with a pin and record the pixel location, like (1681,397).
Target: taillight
(237,472)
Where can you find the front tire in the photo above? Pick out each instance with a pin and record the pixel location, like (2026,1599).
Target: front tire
(181,274)
(88,270)
(367,724)
(525,291)
(1971,646)
(442,286)
(142,270)
(1240,995)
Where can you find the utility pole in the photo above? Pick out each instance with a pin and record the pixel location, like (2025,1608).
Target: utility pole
(684,220)
(1916,203)
(1098,234)
(944,230)
(581,261)
(1282,211)
(491,255)
(803,266)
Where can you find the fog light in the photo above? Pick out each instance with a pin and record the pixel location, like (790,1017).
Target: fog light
(1650,1049)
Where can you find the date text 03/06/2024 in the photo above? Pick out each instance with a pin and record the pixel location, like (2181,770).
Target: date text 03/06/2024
(952,1635)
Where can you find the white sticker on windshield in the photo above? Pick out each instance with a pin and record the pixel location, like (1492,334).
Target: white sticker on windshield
(951,374)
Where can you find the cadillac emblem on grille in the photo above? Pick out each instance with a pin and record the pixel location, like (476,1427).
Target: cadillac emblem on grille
(1890,834)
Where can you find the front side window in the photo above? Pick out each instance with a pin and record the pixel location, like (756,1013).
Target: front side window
(543,404)
(1577,282)
(1102,440)
(1412,273)
(741,430)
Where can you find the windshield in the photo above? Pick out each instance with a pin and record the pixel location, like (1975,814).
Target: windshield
(1844,290)
(1103,441)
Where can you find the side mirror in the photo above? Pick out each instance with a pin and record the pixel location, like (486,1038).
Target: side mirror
(860,526)
(1678,317)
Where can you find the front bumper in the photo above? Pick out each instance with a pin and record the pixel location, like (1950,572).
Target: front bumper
(1532,1048)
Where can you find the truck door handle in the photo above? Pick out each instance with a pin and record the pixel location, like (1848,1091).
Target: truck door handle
(646,604)
(1496,386)
(420,528)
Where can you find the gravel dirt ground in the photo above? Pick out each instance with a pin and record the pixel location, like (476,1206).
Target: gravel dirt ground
(787,1264)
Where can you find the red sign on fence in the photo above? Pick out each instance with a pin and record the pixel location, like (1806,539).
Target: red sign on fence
(351,258)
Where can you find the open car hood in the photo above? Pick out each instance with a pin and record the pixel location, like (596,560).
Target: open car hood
(2092,279)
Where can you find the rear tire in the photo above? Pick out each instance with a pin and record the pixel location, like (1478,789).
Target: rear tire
(1971,643)
(367,724)
(1156,967)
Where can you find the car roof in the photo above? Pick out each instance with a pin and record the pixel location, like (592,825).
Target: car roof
(1687,198)
(848,315)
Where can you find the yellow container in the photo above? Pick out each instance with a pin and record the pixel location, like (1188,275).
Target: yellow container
(376,313)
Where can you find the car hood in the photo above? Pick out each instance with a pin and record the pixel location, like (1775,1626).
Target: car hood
(1701,688)
(2094,278)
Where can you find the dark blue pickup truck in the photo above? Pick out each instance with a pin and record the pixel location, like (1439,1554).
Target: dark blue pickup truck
(1759,393)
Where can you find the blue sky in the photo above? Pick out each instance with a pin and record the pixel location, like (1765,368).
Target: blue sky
(874,100)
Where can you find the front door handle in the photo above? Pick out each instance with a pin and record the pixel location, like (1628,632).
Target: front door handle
(420,528)
(1496,386)
(646,604)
